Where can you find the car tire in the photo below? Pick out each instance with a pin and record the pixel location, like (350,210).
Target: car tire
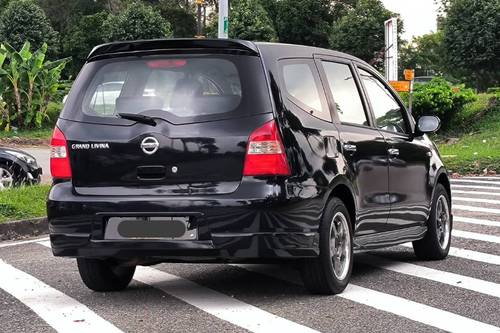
(104,275)
(436,243)
(324,274)
(8,177)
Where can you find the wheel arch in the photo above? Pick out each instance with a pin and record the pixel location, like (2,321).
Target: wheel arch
(342,189)
(443,179)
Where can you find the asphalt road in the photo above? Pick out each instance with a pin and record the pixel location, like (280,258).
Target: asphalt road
(391,291)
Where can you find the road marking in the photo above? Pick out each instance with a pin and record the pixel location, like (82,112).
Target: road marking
(476,187)
(393,304)
(476,209)
(482,177)
(60,311)
(23,242)
(452,279)
(489,201)
(217,304)
(471,220)
(45,243)
(475,236)
(475,181)
(476,192)
(470,255)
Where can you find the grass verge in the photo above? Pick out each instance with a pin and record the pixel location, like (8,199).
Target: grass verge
(23,202)
(477,144)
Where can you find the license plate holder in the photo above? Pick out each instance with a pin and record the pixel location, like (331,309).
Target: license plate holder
(147,228)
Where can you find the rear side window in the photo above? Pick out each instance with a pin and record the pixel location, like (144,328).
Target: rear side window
(345,93)
(180,90)
(302,86)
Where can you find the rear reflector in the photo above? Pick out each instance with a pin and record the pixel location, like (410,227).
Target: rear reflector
(59,158)
(265,153)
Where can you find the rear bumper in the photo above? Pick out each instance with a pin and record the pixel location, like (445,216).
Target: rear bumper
(230,227)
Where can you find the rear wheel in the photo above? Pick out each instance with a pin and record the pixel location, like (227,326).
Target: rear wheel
(330,272)
(436,243)
(104,275)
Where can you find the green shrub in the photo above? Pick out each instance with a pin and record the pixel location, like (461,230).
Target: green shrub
(441,99)
(28,83)
(138,21)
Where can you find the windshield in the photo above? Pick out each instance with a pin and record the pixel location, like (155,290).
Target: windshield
(177,89)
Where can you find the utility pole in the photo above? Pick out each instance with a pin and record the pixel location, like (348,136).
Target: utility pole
(223,19)
(199,28)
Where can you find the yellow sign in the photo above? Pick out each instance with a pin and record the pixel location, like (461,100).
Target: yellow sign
(400,86)
(409,74)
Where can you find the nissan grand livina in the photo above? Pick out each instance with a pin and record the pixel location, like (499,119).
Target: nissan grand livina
(233,151)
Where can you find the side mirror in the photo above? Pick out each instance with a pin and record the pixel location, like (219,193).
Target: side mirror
(428,124)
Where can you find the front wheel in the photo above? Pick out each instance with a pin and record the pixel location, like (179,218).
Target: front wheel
(104,275)
(436,243)
(330,272)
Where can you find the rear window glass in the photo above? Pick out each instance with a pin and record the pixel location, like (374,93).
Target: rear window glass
(178,89)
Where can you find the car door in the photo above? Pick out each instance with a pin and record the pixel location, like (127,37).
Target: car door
(409,158)
(364,148)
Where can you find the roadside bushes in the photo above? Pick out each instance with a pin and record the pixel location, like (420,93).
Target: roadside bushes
(28,83)
(441,99)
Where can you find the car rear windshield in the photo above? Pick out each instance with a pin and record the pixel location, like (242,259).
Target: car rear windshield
(178,89)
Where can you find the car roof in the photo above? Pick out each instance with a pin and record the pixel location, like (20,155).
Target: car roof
(274,50)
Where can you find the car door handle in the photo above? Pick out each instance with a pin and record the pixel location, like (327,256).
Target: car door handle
(393,151)
(350,148)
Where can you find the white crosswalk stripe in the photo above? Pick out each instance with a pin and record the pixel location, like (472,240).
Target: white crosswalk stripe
(471,220)
(389,303)
(481,200)
(482,177)
(470,255)
(452,279)
(60,311)
(475,236)
(477,209)
(475,193)
(9,244)
(475,181)
(479,187)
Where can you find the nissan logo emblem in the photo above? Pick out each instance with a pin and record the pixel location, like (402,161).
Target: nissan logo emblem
(150,145)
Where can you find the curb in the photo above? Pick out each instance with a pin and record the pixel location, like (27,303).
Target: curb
(24,228)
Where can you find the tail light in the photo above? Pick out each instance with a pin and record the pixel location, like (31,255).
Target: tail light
(59,158)
(265,154)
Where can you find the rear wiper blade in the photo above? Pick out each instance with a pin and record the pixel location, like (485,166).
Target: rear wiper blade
(138,117)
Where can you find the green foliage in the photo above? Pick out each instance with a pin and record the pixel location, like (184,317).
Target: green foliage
(361,31)
(425,54)
(441,99)
(82,37)
(303,21)
(23,202)
(248,20)
(24,20)
(471,40)
(183,20)
(138,21)
(27,84)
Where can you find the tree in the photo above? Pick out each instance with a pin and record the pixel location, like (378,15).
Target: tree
(181,18)
(304,22)
(24,20)
(425,54)
(138,21)
(82,37)
(248,20)
(472,40)
(361,31)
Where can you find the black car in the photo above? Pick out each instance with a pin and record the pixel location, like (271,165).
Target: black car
(232,151)
(17,168)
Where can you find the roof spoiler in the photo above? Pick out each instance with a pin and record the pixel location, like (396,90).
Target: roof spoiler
(172,44)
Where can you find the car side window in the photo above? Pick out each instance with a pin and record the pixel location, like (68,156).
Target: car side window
(303,88)
(388,113)
(345,93)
